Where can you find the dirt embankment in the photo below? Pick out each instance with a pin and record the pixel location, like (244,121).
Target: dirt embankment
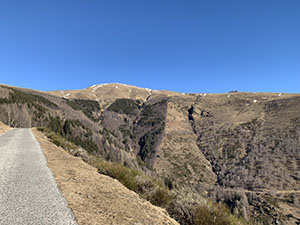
(4,128)
(94,198)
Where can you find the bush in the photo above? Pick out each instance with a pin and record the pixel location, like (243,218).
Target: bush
(147,187)
(216,214)
(59,140)
(43,129)
(126,176)
(64,129)
(161,196)
(168,182)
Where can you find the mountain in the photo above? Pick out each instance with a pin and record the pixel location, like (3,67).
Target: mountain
(240,149)
(106,94)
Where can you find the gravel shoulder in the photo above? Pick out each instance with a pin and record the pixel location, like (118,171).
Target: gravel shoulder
(96,199)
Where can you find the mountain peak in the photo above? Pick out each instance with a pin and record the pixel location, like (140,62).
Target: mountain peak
(116,85)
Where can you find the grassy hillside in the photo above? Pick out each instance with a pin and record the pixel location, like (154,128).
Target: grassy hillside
(235,154)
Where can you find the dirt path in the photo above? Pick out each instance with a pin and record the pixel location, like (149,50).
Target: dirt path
(97,199)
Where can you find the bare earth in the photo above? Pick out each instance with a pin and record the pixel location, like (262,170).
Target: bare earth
(95,198)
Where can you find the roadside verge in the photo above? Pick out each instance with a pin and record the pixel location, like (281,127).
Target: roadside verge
(95,198)
(4,128)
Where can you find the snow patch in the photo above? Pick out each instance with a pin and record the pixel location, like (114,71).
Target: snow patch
(228,96)
(279,94)
(95,87)
(149,90)
(254,100)
(66,95)
(117,87)
(204,94)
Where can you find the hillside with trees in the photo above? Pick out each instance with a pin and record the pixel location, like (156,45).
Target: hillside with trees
(206,158)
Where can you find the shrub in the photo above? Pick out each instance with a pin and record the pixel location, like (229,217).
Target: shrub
(168,182)
(126,176)
(64,129)
(59,140)
(161,196)
(147,187)
(214,213)
(271,200)
(43,129)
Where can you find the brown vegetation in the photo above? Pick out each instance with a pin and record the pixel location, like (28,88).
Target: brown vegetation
(94,198)
(233,148)
(4,128)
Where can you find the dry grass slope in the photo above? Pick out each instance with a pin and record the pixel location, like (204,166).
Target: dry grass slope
(241,149)
(95,198)
(4,128)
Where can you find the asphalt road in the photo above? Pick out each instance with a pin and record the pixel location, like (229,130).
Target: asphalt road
(28,191)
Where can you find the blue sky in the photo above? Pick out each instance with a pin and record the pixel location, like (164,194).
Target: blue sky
(187,46)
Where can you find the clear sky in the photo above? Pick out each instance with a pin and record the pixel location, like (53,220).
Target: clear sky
(199,46)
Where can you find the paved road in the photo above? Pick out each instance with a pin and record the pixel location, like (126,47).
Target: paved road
(28,192)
